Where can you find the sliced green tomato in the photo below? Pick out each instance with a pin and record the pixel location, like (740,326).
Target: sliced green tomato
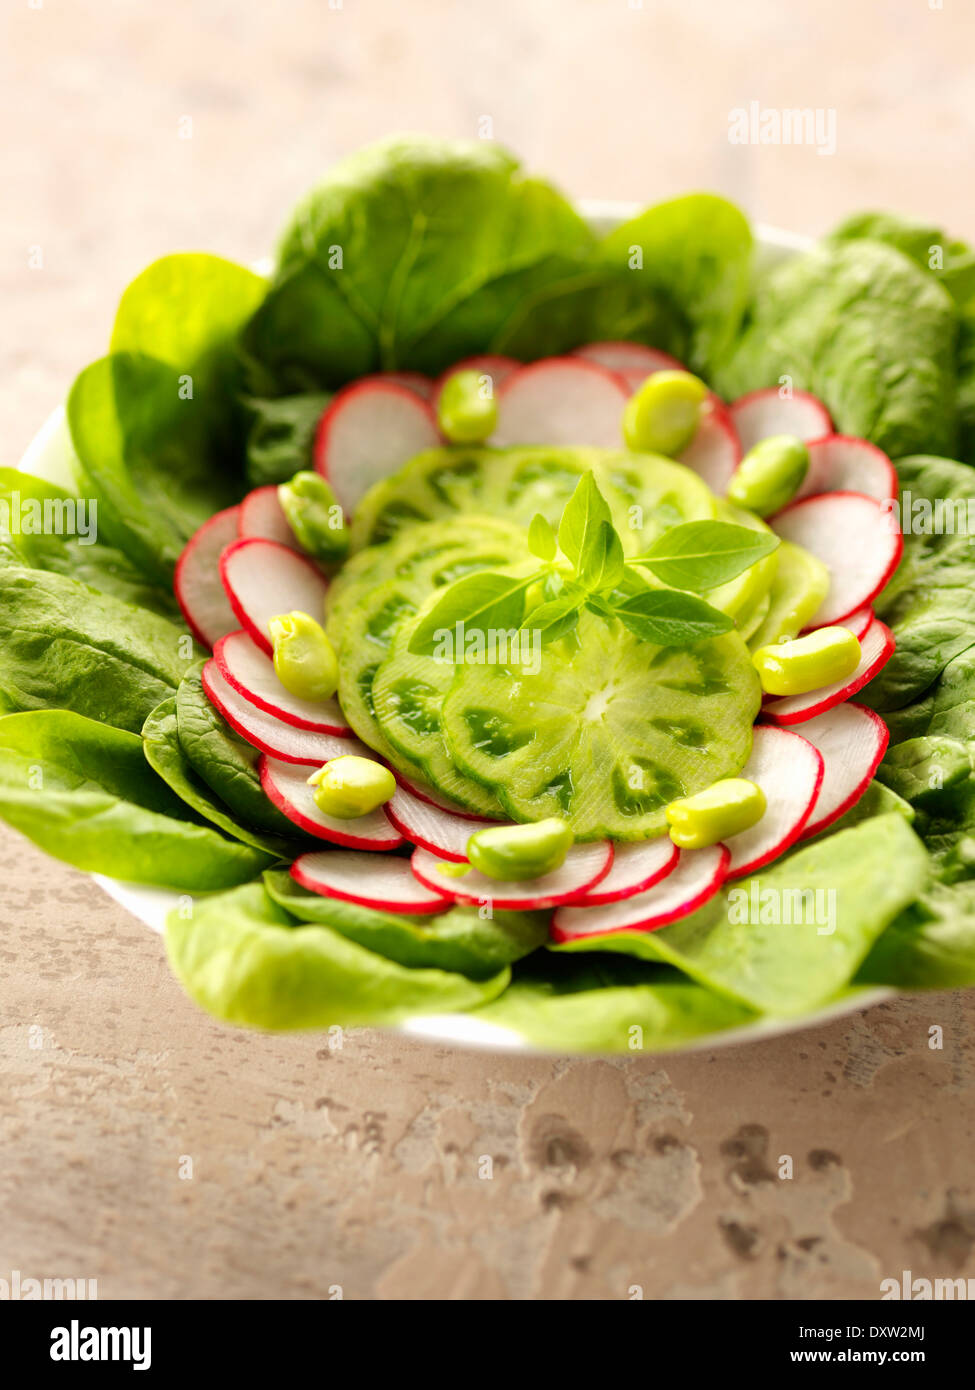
(645,492)
(608,731)
(407,702)
(750,622)
(741,596)
(366,635)
(801,583)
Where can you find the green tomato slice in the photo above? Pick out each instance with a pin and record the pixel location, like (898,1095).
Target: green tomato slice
(608,730)
(800,585)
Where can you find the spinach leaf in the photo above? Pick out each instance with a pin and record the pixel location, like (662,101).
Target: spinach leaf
(925,245)
(456,940)
(50,529)
(145,451)
(782,966)
(861,326)
(245,959)
(224,761)
(84,792)
(602,1004)
(64,646)
(164,754)
(380,264)
(281,436)
(930,946)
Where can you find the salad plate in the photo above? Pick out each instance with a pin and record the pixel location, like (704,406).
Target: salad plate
(861,772)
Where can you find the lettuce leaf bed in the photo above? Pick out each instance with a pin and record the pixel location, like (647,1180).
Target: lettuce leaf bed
(409,256)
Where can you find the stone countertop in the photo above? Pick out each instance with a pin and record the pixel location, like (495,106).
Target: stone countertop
(164,1155)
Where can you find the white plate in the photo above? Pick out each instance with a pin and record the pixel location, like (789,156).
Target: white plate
(49,456)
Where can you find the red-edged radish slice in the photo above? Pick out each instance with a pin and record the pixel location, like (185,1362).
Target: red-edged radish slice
(288,788)
(636,867)
(490,364)
(858,541)
(196,581)
(270,734)
(263,579)
(876,648)
(629,359)
(763,413)
(354,876)
(857,623)
(852,740)
(433,798)
(714,453)
(698,876)
(790,773)
(842,463)
(422,386)
(368,432)
(585,865)
(261,515)
(247,670)
(441,832)
(561,400)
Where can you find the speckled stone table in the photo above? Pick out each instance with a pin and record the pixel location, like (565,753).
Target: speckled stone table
(166,1156)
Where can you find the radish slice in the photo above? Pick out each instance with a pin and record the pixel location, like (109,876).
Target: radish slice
(636,867)
(270,734)
(489,364)
(368,432)
(841,463)
(420,385)
(561,400)
(584,866)
(288,788)
(763,413)
(629,359)
(857,623)
(196,581)
(433,798)
(697,877)
(876,648)
(261,515)
(441,832)
(353,876)
(857,540)
(714,453)
(247,670)
(852,740)
(790,773)
(263,579)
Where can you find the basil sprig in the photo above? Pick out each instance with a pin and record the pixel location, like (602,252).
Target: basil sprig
(689,559)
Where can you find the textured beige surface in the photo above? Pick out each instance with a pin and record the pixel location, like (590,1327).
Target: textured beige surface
(367,1168)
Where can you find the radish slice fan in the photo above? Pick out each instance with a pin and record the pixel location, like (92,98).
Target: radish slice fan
(264,579)
(841,463)
(196,583)
(852,740)
(629,359)
(261,515)
(636,867)
(355,876)
(697,877)
(790,773)
(269,733)
(714,453)
(251,674)
(431,828)
(584,866)
(876,647)
(368,432)
(763,413)
(288,788)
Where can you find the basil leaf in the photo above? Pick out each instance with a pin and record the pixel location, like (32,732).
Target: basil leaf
(669,618)
(554,619)
(705,554)
(479,601)
(601,567)
(541,537)
(579,528)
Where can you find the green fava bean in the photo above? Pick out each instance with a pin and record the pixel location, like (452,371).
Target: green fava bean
(516,852)
(314,516)
(467,411)
(770,474)
(820,658)
(304,658)
(349,787)
(724,809)
(662,416)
